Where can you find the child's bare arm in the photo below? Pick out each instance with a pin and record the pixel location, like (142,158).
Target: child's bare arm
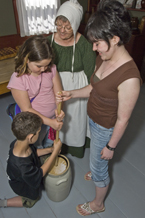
(26,106)
(46,166)
(44,151)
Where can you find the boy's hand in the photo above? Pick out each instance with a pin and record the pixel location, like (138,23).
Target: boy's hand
(57,146)
(59,117)
(56,125)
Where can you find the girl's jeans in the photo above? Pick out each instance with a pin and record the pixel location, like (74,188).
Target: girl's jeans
(100,136)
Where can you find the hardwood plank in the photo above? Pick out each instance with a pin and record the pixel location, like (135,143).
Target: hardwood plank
(3,88)
(7,67)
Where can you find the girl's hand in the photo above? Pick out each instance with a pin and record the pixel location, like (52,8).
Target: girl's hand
(56,125)
(59,117)
(64,96)
(107,154)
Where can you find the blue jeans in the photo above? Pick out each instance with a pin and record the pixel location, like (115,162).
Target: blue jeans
(43,141)
(100,136)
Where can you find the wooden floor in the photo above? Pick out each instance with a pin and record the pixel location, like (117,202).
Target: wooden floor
(126,197)
(6,69)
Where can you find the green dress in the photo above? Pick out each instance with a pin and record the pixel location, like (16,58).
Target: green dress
(75,128)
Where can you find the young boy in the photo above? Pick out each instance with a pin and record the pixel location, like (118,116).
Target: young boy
(24,170)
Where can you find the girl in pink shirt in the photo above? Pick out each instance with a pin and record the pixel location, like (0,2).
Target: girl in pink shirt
(36,78)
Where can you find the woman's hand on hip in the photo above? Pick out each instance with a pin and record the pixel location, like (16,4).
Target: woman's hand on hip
(107,154)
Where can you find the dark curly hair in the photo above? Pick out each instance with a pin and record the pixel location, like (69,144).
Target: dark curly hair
(35,48)
(25,123)
(111,19)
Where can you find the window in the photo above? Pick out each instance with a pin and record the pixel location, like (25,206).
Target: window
(36,16)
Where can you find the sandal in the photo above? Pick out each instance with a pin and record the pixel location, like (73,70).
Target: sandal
(86,208)
(88,176)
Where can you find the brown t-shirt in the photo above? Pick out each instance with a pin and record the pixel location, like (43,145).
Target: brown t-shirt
(103,101)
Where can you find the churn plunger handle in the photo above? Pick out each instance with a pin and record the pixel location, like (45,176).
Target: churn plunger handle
(57,132)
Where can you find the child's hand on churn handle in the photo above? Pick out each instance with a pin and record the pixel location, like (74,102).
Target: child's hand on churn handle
(57,146)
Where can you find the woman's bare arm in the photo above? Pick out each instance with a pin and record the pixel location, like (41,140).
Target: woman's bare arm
(77,93)
(127,98)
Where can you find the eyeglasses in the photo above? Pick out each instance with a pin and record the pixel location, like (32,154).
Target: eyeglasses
(64,27)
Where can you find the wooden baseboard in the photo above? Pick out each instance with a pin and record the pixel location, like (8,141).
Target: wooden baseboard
(13,40)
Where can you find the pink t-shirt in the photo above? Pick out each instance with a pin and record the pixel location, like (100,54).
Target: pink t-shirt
(40,86)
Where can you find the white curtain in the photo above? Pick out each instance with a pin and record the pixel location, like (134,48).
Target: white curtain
(37,16)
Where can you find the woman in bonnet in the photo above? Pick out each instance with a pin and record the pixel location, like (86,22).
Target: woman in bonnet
(75,63)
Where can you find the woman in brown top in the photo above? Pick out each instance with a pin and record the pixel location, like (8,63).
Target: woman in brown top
(112,94)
